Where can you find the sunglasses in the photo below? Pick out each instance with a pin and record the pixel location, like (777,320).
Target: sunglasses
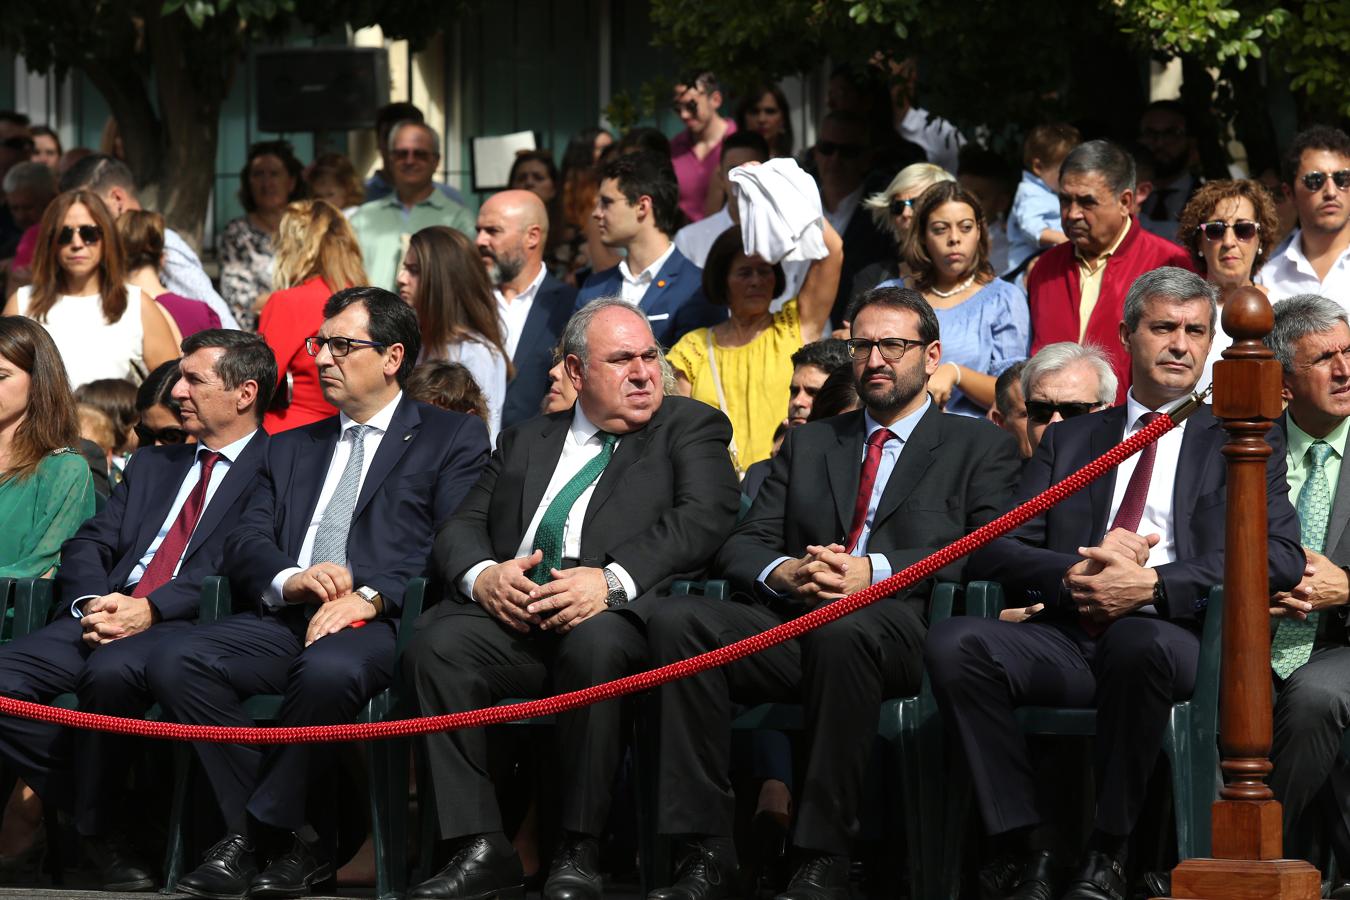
(89,234)
(1242,230)
(847,151)
(899,206)
(1042,411)
(1313,181)
(421,155)
(338,346)
(891,348)
(152,436)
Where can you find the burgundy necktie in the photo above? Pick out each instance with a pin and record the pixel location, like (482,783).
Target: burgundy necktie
(1136,492)
(866,482)
(170,550)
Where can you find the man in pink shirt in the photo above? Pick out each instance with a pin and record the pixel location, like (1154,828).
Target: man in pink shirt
(696,151)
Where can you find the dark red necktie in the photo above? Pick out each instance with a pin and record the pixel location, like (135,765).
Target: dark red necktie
(170,550)
(866,482)
(1136,492)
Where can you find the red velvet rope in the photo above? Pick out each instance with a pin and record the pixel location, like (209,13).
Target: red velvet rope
(642,681)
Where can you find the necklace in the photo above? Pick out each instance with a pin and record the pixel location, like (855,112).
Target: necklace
(954,291)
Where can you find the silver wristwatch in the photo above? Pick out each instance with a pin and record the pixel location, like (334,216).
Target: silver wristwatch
(617,596)
(371,596)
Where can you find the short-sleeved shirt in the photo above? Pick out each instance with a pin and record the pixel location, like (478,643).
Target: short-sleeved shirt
(383,228)
(695,174)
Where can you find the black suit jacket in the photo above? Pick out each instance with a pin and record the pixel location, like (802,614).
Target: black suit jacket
(425,464)
(99,558)
(954,474)
(662,506)
(1031,562)
(549,312)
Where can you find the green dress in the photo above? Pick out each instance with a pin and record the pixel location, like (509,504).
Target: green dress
(38,513)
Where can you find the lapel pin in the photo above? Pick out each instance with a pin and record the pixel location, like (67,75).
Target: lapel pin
(408,436)
(661,283)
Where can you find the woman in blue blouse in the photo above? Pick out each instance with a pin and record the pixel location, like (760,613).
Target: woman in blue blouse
(985,322)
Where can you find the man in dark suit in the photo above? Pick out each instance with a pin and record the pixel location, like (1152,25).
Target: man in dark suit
(851,499)
(1310,652)
(579,522)
(1124,569)
(343,517)
(533,305)
(637,208)
(129,581)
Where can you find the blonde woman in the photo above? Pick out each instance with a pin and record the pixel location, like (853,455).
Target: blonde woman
(892,210)
(317,256)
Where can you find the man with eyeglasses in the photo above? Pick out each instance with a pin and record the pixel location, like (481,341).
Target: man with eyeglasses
(1316,257)
(1164,132)
(850,500)
(697,151)
(343,516)
(383,226)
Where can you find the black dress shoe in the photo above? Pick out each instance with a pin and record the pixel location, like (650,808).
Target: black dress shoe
(119,868)
(485,867)
(575,873)
(1157,884)
(703,874)
(226,873)
(294,873)
(1102,877)
(1035,880)
(821,877)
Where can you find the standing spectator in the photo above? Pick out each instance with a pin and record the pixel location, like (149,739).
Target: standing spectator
(383,183)
(939,138)
(79,294)
(317,256)
(270,179)
(46,147)
(333,178)
(1034,224)
(1316,258)
(765,111)
(182,272)
(1009,411)
(582,249)
(986,175)
(29,187)
(535,172)
(142,234)
(1077,289)
(383,224)
(892,211)
(696,151)
(1164,132)
(16,146)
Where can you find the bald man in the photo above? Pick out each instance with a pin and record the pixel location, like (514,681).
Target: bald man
(533,305)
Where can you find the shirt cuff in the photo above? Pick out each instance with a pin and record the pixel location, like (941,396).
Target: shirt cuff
(881,567)
(629,585)
(75,607)
(466,582)
(763,586)
(274,597)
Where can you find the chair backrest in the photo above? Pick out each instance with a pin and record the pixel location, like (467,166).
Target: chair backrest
(215,602)
(32,604)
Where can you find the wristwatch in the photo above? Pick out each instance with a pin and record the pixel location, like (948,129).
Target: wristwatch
(617,596)
(372,597)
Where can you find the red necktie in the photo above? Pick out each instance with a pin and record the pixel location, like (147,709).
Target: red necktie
(866,482)
(1136,492)
(170,550)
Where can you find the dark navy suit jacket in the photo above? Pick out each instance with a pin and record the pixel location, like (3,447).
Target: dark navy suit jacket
(552,307)
(426,463)
(101,555)
(674,303)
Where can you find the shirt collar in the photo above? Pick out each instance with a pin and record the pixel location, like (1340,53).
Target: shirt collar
(1293,251)
(230,451)
(1110,251)
(380,421)
(1300,440)
(1134,409)
(648,274)
(526,295)
(582,428)
(436,200)
(902,428)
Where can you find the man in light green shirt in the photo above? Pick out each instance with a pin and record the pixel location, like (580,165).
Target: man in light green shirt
(384,226)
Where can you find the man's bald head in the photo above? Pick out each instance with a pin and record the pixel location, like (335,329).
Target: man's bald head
(524,208)
(512,231)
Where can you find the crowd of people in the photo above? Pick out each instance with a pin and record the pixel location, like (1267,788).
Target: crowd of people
(665,360)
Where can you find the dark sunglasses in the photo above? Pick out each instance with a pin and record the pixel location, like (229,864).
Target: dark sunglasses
(420,154)
(1242,230)
(847,151)
(1313,181)
(151,436)
(89,234)
(899,206)
(686,106)
(1042,411)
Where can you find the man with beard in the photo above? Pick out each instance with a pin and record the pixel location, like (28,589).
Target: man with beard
(533,305)
(1316,258)
(901,480)
(1163,132)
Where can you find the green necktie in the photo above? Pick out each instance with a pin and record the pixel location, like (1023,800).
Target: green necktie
(548,537)
(1293,637)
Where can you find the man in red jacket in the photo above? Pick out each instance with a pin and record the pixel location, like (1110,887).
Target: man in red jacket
(1077,290)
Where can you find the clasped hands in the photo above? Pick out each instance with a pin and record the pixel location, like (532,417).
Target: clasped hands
(570,598)
(824,573)
(1112,579)
(330,587)
(115,616)
(1323,584)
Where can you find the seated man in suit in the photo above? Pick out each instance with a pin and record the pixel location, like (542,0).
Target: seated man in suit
(579,521)
(851,499)
(1123,601)
(637,208)
(1310,652)
(129,582)
(343,517)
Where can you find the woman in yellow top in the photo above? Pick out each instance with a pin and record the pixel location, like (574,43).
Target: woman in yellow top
(744,365)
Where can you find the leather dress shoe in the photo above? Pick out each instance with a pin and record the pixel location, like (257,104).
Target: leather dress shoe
(478,870)
(702,874)
(119,868)
(1102,877)
(226,873)
(575,873)
(294,873)
(821,877)
(1036,879)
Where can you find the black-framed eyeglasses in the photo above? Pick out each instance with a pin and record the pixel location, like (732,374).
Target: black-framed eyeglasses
(1313,181)
(150,437)
(338,346)
(1042,411)
(846,151)
(899,206)
(89,234)
(891,348)
(1243,230)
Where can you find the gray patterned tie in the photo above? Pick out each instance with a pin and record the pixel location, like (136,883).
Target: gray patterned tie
(1294,638)
(330,543)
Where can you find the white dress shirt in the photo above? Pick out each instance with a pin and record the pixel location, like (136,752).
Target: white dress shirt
(842,214)
(634,287)
(515,311)
(1288,273)
(379,425)
(1157,517)
(582,443)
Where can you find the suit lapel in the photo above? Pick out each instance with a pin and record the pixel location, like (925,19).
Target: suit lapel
(915,457)
(403,428)
(631,448)
(308,471)
(656,292)
(179,464)
(843,464)
(242,473)
(1200,444)
(535,320)
(544,453)
(1109,431)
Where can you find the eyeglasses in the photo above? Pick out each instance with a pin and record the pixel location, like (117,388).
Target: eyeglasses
(685,106)
(1242,230)
(150,437)
(1042,411)
(89,234)
(1313,181)
(338,346)
(899,206)
(419,154)
(891,348)
(847,151)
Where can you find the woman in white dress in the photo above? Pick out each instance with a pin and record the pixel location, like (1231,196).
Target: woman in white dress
(103,327)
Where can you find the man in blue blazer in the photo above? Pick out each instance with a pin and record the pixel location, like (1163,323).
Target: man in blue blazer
(128,582)
(343,517)
(637,209)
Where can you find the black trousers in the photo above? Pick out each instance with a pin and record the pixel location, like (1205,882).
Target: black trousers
(841,673)
(983,669)
(461,659)
(84,772)
(204,679)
